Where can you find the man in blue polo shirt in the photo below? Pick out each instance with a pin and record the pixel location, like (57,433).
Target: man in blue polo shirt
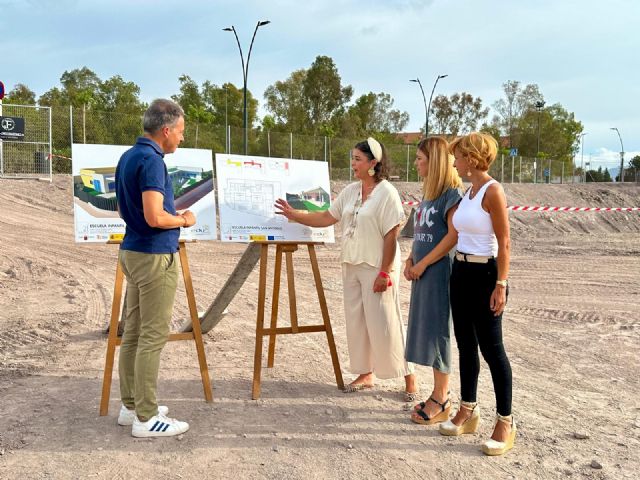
(148,256)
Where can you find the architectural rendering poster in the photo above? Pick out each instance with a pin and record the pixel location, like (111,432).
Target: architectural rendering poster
(94,199)
(248,187)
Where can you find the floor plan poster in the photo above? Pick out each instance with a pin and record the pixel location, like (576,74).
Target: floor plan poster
(94,198)
(248,187)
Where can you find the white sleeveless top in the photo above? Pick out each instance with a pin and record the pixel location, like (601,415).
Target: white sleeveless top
(474,226)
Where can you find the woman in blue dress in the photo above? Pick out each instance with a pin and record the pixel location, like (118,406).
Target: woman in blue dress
(429,267)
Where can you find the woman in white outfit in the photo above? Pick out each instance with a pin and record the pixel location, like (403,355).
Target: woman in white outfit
(370,213)
(478,290)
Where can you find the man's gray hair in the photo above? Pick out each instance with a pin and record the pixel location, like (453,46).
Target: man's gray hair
(161,113)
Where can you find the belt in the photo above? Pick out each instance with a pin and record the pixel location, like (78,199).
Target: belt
(466,257)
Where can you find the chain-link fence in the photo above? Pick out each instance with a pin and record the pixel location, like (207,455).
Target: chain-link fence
(90,126)
(29,155)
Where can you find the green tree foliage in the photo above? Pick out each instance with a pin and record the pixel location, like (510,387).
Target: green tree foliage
(285,100)
(598,175)
(309,101)
(213,104)
(517,100)
(118,95)
(20,95)
(458,114)
(323,92)
(635,162)
(559,132)
(374,114)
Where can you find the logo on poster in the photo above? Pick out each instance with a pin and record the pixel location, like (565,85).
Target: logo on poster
(8,124)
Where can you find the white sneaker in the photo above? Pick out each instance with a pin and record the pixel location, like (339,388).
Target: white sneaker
(126,416)
(158,426)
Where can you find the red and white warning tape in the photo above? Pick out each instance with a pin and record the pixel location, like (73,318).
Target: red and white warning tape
(572,209)
(536,208)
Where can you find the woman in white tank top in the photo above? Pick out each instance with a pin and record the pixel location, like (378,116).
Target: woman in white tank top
(478,290)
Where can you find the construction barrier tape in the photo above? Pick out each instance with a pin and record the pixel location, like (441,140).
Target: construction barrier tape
(537,208)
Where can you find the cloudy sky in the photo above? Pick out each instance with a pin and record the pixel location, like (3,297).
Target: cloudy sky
(582,54)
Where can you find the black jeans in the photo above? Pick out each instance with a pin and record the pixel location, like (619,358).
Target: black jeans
(474,325)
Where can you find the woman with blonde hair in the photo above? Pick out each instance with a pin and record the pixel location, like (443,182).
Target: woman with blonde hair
(370,213)
(429,267)
(479,290)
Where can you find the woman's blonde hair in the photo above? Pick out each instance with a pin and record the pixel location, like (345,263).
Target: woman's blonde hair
(479,149)
(440,172)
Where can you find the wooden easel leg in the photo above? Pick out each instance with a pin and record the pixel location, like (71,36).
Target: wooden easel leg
(111,343)
(262,290)
(291,285)
(195,321)
(274,305)
(325,316)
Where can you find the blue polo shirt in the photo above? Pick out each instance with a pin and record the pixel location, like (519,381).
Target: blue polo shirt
(142,168)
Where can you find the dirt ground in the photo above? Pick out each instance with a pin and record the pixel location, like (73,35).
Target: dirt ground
(571,330)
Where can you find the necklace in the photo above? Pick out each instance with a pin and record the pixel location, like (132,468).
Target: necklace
(472,194)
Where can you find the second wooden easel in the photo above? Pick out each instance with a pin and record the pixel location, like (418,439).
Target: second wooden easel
(195,334)
(288,248)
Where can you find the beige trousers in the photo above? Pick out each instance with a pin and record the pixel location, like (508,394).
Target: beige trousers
(375,333)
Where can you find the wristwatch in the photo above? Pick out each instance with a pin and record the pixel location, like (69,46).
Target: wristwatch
(502,283)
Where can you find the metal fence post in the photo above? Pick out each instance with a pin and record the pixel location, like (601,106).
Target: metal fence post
(325,148)
(513,165)
(549,181)
(50,148)
(520,174)
(268,143)
(290,144)
(502,169)
(562,174)
(407,163)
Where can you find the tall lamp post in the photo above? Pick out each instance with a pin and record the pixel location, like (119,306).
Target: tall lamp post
(583,175)
(426,110)
(428,106)
(621,155)
(539,106)
(426,130)
(245,74)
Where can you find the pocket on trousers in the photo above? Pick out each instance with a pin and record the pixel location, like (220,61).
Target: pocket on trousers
(168,261)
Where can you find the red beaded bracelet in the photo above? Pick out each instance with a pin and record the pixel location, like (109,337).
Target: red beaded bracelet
(387,276)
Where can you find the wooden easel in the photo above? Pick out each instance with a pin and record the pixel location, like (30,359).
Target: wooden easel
(288,248)
(195,334)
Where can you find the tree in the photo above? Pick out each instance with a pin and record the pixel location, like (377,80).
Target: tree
(309,101)
(118,95)
(285,100)
(20,95)
(80,87)
(458,114)
(635,162)
(211,104)
(559,131)
(323,93)
(511,108)
(374,114)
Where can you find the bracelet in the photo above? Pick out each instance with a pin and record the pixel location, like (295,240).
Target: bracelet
(387,276)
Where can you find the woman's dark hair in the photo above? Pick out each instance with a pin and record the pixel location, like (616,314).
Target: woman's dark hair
(381,166)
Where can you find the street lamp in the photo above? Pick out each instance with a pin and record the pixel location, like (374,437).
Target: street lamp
(426,130)
(245,74)
(426,110)
(621,155)
(428,107)
(584,176)
(539,106)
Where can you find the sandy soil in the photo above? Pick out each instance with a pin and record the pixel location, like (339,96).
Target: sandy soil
(571,330)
